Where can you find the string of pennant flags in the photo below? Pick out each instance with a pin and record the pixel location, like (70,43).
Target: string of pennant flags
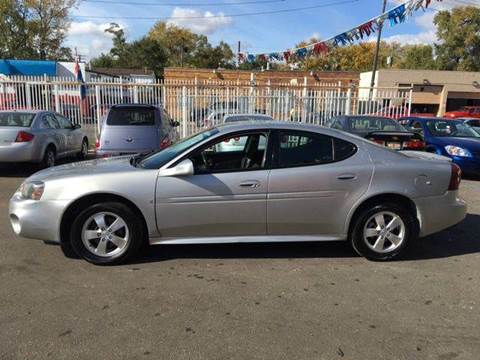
(394,16)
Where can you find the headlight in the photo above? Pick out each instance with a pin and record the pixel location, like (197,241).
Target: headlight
(457,151)
(32,190)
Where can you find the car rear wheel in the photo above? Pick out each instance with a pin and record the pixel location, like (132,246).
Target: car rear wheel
(382,232)
(49,157)
(84,150)
(107,233)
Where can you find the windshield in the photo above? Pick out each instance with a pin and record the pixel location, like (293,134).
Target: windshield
(375,124)
(131,116)
(450,128)
(160,158)
(16,119)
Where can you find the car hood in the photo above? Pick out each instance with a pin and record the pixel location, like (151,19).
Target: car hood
(85,168)
(471,144)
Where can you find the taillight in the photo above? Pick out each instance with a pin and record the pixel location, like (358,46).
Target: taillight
(414,144)
(97,143)
(166,142)
(455,178)
(24,136)
(379,142)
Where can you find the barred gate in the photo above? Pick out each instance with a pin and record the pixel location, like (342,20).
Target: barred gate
(197,106)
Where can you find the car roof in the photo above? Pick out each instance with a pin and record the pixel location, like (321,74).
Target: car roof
(246,117)
(33,112)
(146,106)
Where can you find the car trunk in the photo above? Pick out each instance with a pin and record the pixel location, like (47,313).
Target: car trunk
(129,138)
(395,140)
(8,134)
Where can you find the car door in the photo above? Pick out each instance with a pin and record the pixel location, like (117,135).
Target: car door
(314,182)
(225,197)
(72,135)
(57,133)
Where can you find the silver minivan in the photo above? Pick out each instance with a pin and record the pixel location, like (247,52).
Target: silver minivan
(135,128)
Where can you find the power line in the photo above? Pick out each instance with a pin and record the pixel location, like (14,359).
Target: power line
(335,3)
(123,2)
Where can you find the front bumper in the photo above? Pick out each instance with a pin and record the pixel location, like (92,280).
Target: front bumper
(469,166)
(18,152)
(36,219)
(437,213)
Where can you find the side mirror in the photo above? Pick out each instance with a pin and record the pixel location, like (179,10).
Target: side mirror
(76,126)
(185,168)
(174,123)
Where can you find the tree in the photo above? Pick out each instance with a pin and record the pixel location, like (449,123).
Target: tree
(34,29)
(186,48)
(417,57)
(458,32)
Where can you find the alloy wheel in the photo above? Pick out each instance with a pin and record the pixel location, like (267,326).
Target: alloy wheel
(105,234)
(384,232)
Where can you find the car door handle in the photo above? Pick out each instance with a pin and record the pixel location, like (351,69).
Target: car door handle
(347,177)
(250,183)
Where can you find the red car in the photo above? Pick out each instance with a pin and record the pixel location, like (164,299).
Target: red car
(464,112)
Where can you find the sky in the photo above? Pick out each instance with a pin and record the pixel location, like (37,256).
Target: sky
(261,33)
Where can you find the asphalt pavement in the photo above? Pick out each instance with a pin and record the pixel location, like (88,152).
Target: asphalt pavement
(282,301)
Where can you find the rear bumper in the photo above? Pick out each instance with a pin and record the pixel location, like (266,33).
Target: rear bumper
(19,152)
(436,213)
(36,219)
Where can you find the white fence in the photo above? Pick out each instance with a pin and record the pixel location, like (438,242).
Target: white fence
(196,106)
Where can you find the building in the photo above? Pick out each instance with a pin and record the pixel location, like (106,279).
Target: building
(139,76)
(175,75)
(434,92)
(38,68)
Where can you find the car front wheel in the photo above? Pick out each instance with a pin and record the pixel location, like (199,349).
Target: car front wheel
(107,233)
(382,232)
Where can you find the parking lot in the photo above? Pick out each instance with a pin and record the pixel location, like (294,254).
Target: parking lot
(302,301)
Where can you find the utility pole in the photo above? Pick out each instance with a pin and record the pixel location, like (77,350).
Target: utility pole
(377,50)
(239,49)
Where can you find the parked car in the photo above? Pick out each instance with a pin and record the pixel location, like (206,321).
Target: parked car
(450,138)
(464,112)
(472,122)
(39,137)
(309,183)
(382,130)
(135,128)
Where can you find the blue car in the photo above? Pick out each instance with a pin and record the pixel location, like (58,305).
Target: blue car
(450,138)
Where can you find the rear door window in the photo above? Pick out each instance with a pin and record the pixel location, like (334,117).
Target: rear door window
(304,148)
(52,121)
(133,116)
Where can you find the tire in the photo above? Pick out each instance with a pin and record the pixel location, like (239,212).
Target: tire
(82,155)
(379,242)
(49,158)
(93,238)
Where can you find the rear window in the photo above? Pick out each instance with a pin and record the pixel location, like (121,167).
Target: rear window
(131,117)
(16,119)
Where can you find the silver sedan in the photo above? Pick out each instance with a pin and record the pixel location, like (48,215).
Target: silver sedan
(39,137)
(290,182)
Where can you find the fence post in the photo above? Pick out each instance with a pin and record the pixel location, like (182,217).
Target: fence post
(99,111)
(57,100)
(28,96)
(348,105)
(135,94)
(410,94)
(184,111)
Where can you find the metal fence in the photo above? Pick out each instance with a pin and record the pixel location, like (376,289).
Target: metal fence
(198,105)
